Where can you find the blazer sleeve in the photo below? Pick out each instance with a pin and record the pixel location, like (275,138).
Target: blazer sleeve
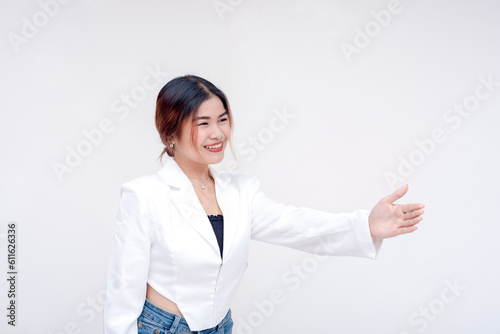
(311,230)
(128,265)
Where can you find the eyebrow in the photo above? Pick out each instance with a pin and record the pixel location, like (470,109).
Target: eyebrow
(206,117)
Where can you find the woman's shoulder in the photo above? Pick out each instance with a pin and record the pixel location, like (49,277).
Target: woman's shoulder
(142,183)
(153,181)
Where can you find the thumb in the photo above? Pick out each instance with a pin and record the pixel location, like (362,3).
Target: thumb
(397,194)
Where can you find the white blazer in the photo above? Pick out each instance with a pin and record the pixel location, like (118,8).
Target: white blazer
(164,237)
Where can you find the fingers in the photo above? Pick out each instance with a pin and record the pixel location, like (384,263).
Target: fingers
(397,194)
(411,222)
(411,206)
(412,214)
(404,230)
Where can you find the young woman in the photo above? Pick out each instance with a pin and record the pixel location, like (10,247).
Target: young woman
(182,236)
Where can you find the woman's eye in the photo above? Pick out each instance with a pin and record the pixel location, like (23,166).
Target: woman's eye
(221,120)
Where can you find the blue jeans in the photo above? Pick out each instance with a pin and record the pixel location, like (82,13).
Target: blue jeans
(155,320)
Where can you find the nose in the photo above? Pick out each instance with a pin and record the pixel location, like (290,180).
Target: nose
(216,132)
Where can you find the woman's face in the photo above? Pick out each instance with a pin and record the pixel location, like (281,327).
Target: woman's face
(213,130)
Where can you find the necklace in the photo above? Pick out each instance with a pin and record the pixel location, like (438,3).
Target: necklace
(201,184)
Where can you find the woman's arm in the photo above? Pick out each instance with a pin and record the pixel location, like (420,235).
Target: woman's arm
(128,265)
(311,230)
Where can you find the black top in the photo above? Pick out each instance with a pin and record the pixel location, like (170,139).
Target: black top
(217,222)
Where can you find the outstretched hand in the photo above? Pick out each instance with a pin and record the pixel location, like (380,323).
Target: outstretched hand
(388,220)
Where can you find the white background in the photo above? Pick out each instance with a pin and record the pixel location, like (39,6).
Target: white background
(354,120)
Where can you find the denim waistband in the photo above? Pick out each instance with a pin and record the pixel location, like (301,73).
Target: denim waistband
(175,322)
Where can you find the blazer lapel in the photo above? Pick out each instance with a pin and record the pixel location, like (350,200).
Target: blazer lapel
(228,198)
(186,200)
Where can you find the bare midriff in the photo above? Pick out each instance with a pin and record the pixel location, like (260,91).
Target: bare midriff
(162,302)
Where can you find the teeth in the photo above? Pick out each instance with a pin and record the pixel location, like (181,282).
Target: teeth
(215,146)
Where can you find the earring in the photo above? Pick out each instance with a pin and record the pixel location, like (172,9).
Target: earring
(171,145)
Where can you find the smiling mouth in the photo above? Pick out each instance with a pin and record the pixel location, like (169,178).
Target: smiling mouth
(214,147)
